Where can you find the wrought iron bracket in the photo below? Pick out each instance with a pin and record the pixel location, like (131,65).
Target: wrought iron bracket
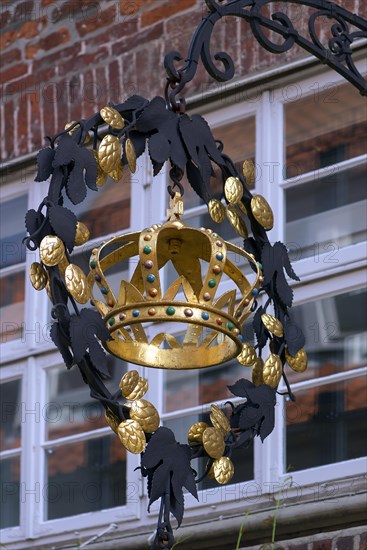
(337,54)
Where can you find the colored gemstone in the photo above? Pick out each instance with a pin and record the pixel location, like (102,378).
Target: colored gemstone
(206,296)
(151,278)
(97,278)
(230,325)
(147,238)
(110,303)
(216,269)
(188,312)
(153,292)
(170,310)
(111,321)
(255,291)
(136,313)
(236,331)
(212,283)
(246,302)
(219,256)
(205,316)
(122,316)
(240,337)
(147,249)
(148,264)
(219,321)
(219,243)
(152,311)
(260,265)
(214,235)
(92,264)
(104,290)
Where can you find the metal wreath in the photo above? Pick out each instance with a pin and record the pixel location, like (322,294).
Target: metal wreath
(172,135)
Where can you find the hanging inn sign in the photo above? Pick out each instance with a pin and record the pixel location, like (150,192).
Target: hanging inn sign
(81,158)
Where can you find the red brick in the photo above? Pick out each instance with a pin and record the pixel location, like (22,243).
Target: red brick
(164,11)
(9,128)
(80,62)
(89,95)
(127,28)
(75,97)
(10,56)
(5,17)
(129,43)
(48,43)
(322,545)
(96,22)
(13,72)
(131,7)
(298,547)
(29,29)
(102,86)
(345,543)
(35,120)
(57,57)
(24,11)
(114,81)
(72,11)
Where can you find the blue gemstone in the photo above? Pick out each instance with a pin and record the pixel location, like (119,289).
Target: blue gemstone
(104,290)
(205,316)
(219,256)
(151,278)
(136,313)
(240,337)
(255,291)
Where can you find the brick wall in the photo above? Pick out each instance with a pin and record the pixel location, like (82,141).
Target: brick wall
(62,59)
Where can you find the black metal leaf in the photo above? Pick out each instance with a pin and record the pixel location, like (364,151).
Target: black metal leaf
(168,462)
(244,439)
(269,262)
(66,151)
(159,148)
(139,142)
(56,184)
(261,334)
(252,247)
(84,329)
(75,186)
(287,263)
(63,222)
(283,290)
(98,358)
(294,336)
(274,260)
(62,343)
(33,220)
(45,159)
(90,167)
(250,416)
(196,181)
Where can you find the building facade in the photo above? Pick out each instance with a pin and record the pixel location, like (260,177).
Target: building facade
(65,477)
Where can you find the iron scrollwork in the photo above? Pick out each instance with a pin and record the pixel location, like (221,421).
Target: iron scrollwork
(337,54)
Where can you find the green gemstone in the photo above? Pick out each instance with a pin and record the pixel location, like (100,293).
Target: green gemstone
(211,283)
(147,249)
(260,265)
(111,321)
(170,310)
(92,264)
(230,325)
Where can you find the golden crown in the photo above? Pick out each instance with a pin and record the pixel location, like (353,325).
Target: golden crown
(213,325)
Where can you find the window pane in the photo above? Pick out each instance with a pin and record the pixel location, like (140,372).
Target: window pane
(85,477)
(326,127)
(10,399)
(326,214)
(70,408)
(107,210)
(185,389)
(12,214)
(327,424)
(243,459)
(10,485)
(12,306)
(238,139)
(335,331)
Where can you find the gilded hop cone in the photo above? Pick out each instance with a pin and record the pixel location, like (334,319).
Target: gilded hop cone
(272,370)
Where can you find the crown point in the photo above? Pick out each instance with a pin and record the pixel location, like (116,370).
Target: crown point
(147,249)
(212,283)
(206,296)
(170,310)
(205,316)
(136,313)
(151,278)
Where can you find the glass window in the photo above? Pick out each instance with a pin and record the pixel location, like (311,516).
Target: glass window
(11,402)
(326,424)
(12,214)
(85,476)
(10,487)
(324,128)
(335,331)
(12,295)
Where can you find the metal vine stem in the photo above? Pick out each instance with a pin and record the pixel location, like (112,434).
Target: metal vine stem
(337,54)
